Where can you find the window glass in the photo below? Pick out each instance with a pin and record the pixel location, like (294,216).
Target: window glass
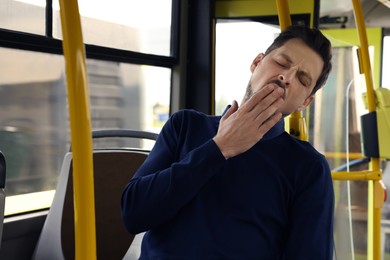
(340,104)
(237,44)
(23,15)
(141,26)
(128,96)
(337,110)
(32,113)
(34,125)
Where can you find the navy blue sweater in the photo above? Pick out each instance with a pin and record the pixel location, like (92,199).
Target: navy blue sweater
(274,201)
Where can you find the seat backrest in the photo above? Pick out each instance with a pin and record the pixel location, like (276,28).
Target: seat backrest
(112,171)
(113,168)
(2,193)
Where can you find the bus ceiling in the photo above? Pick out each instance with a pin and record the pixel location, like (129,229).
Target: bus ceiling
(331,13)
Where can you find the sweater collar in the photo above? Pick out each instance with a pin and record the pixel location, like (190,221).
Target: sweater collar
(275,131)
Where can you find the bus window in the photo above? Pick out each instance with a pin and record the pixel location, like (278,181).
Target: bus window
(336,124)
(237,44)
(23,15)
(141,26)
(34,124)
(130,52)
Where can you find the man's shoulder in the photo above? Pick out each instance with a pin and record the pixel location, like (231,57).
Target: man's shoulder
(306,159)
(303,147)
(193,115)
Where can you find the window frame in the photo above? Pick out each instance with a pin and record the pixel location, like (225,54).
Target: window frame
(21,40)
(47,44)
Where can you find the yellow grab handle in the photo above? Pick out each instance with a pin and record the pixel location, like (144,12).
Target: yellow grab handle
(80,126)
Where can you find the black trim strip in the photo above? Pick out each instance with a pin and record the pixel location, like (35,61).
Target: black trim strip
(316,14)
(30,42)
(33,42)
(49,18)
(175,28)
(296,19)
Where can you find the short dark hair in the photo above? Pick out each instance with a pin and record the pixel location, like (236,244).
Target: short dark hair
(313,38)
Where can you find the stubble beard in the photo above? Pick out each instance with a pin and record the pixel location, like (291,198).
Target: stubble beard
(249,94)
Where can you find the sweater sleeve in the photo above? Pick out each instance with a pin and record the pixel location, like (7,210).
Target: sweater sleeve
(311,226)
(166,182)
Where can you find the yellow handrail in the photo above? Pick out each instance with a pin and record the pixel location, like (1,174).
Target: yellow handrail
(375,189)
(80,126)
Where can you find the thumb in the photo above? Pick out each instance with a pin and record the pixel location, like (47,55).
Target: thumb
(233,108)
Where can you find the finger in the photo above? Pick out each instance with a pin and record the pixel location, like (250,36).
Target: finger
(256,98)
(231,110)
(269,111)
(270,122)
(262,102)
(274,99)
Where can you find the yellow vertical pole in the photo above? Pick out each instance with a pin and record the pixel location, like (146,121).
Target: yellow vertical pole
(80,126)
(365,58)
(283,14)
(297,121)
(374,218)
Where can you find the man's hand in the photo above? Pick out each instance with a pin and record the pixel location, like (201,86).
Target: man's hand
(241,128)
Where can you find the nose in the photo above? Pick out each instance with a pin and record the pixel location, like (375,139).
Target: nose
(283,78)
(287,77)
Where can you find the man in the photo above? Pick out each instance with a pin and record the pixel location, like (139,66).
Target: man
(238,186)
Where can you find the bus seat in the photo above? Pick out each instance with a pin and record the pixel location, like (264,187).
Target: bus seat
(2,193)
(113,168)
(134,251)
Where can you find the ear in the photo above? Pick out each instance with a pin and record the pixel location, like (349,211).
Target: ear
(256,61)
(306,103)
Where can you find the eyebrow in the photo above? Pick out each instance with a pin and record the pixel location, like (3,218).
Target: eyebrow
(301,73)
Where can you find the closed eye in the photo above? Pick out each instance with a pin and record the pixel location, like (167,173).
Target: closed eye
(304,79)
(281,64)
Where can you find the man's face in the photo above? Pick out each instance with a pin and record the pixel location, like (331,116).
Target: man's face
(294,67)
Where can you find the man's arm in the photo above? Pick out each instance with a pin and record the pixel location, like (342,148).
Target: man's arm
(311,226)
(163,185)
